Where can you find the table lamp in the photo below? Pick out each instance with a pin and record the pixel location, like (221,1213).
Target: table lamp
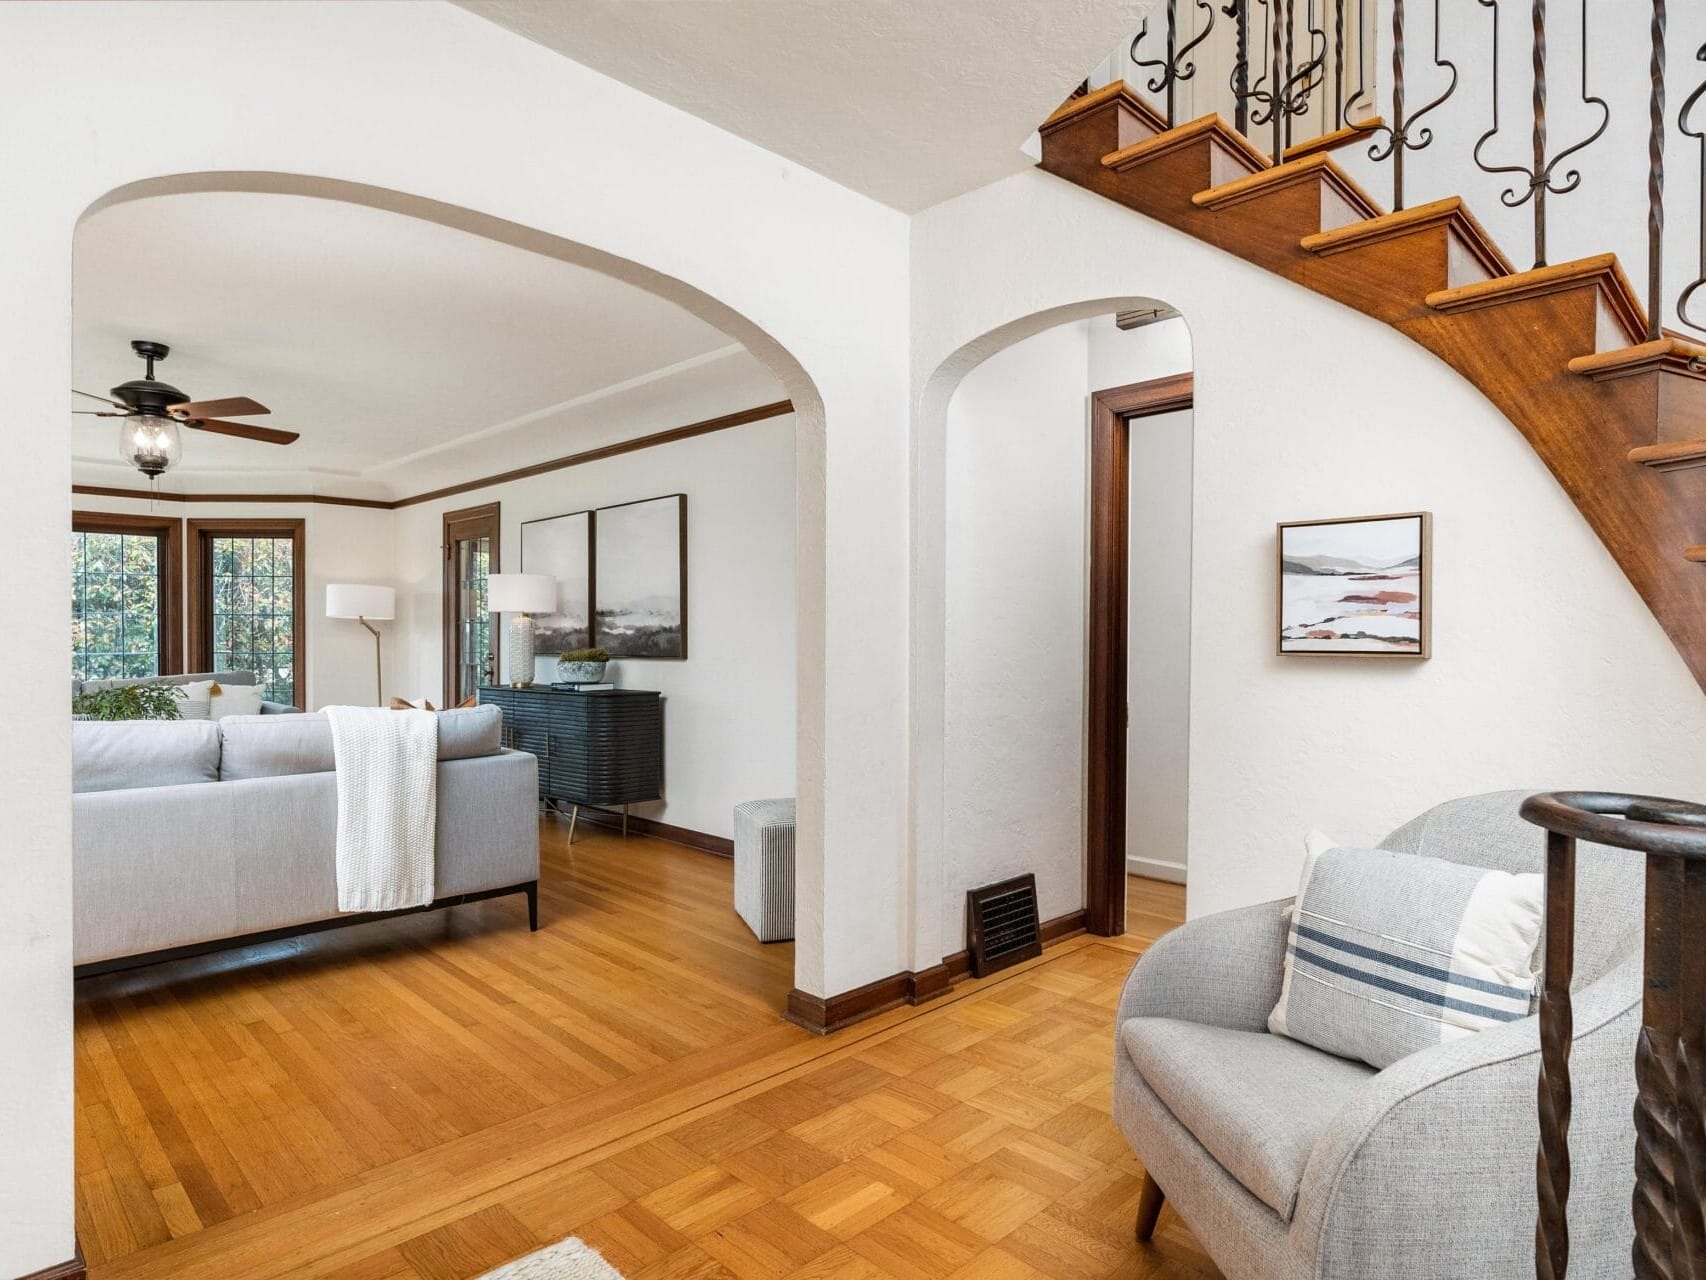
(521,595)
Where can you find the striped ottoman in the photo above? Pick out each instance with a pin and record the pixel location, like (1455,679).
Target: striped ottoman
(764,867)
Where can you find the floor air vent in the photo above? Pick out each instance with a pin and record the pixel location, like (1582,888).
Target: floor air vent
(1001,924)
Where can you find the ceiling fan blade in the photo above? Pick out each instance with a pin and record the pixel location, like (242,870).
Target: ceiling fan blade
(103,399)
(240,406)
(243,431)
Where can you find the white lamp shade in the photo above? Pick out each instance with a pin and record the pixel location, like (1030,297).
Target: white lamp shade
(358,600)
(521,593)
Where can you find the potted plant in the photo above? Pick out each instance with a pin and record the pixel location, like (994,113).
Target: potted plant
(129,702)
(582,666)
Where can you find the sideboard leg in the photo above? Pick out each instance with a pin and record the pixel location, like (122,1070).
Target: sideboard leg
(574,816)
(624,822)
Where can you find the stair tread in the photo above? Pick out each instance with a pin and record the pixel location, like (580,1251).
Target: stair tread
(1116,91)
(1674,355)
(1601,270)
(1389,226)
(1319,166)
(1182,136)
(1672,455)
(1345,137)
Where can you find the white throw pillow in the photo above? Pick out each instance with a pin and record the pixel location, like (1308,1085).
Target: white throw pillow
(236,700)
(1389,953)
(196,702)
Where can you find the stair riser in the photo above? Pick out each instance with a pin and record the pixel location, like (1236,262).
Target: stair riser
(1076,147)
(1387,279)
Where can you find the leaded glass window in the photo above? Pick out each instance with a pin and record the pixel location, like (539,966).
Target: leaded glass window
(116,610)
(253,597)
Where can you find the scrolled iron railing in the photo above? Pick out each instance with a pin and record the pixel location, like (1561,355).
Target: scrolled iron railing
(1300,75)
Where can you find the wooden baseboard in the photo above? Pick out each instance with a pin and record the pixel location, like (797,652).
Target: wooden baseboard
(612,819)
(75,1269)
(822,1014)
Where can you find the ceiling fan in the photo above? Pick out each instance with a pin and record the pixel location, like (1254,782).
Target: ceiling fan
(153,411)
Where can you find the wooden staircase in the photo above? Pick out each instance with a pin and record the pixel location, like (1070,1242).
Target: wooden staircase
(1561,350)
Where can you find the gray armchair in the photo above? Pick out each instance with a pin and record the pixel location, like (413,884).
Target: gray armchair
(1289,1163)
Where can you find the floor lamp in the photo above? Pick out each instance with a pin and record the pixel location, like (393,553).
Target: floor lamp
(367,605)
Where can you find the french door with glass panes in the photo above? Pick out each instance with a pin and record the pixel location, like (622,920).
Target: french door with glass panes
(470,640)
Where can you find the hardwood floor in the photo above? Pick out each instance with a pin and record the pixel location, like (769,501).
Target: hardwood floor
(421,1099)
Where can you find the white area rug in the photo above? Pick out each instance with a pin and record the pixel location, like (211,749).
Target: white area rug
(569,1259)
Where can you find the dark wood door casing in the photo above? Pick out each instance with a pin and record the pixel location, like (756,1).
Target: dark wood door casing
(1111,415)
(200,583)
(170,531)
(485,521)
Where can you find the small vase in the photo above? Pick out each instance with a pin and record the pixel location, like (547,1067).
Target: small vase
(580,672)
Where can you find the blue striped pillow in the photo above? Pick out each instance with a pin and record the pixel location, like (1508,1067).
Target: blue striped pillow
(1392,952)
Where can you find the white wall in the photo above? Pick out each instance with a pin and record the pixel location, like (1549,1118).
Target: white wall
(729,708)
(1528,601)
(1015,624)
(341,544)
(428,109)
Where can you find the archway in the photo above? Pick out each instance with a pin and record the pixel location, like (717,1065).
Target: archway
(1089,495)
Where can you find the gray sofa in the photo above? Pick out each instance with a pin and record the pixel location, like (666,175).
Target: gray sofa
(1288,1163)
(190,834)
(224,677)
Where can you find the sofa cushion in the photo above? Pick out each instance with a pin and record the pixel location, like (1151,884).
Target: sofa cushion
(272,746)
(1257,1102)
(113,755)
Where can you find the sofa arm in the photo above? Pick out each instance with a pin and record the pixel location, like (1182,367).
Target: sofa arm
(1429,1172)
(1223,970)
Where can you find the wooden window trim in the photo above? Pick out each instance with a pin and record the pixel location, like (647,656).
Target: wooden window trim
(469,522)
(200,584)
(1111,414)
(170,531)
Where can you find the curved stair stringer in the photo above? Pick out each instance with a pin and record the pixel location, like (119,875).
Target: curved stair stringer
(1559,350)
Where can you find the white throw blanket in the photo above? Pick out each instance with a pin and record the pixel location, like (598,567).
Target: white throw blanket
(387,778)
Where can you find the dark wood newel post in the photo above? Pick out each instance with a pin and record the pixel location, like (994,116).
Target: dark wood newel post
(1669,1204)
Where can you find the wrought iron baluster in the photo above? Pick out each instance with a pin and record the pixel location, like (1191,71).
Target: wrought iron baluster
(1699,134)
(1365,49)
(1279,15)
(1305,80)
(1175,66)
(1655,177)
(1540,176)
(1406,132)
(1338,65)
(1290,67)
(1261,91)
(1239,12)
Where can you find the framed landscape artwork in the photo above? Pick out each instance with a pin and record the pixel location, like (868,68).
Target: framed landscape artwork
(640,574)
(562,547)
(1360,586)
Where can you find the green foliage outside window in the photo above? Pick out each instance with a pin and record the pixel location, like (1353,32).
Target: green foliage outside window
(115,605)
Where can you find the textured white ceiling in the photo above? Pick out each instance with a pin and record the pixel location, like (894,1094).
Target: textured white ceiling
(379,337)
(908,101)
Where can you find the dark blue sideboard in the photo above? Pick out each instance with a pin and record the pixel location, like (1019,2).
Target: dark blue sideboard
(599,747)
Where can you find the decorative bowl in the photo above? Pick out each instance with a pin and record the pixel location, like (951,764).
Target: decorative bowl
(580,672)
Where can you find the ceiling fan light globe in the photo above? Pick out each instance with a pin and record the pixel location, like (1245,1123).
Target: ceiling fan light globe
(150,443)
